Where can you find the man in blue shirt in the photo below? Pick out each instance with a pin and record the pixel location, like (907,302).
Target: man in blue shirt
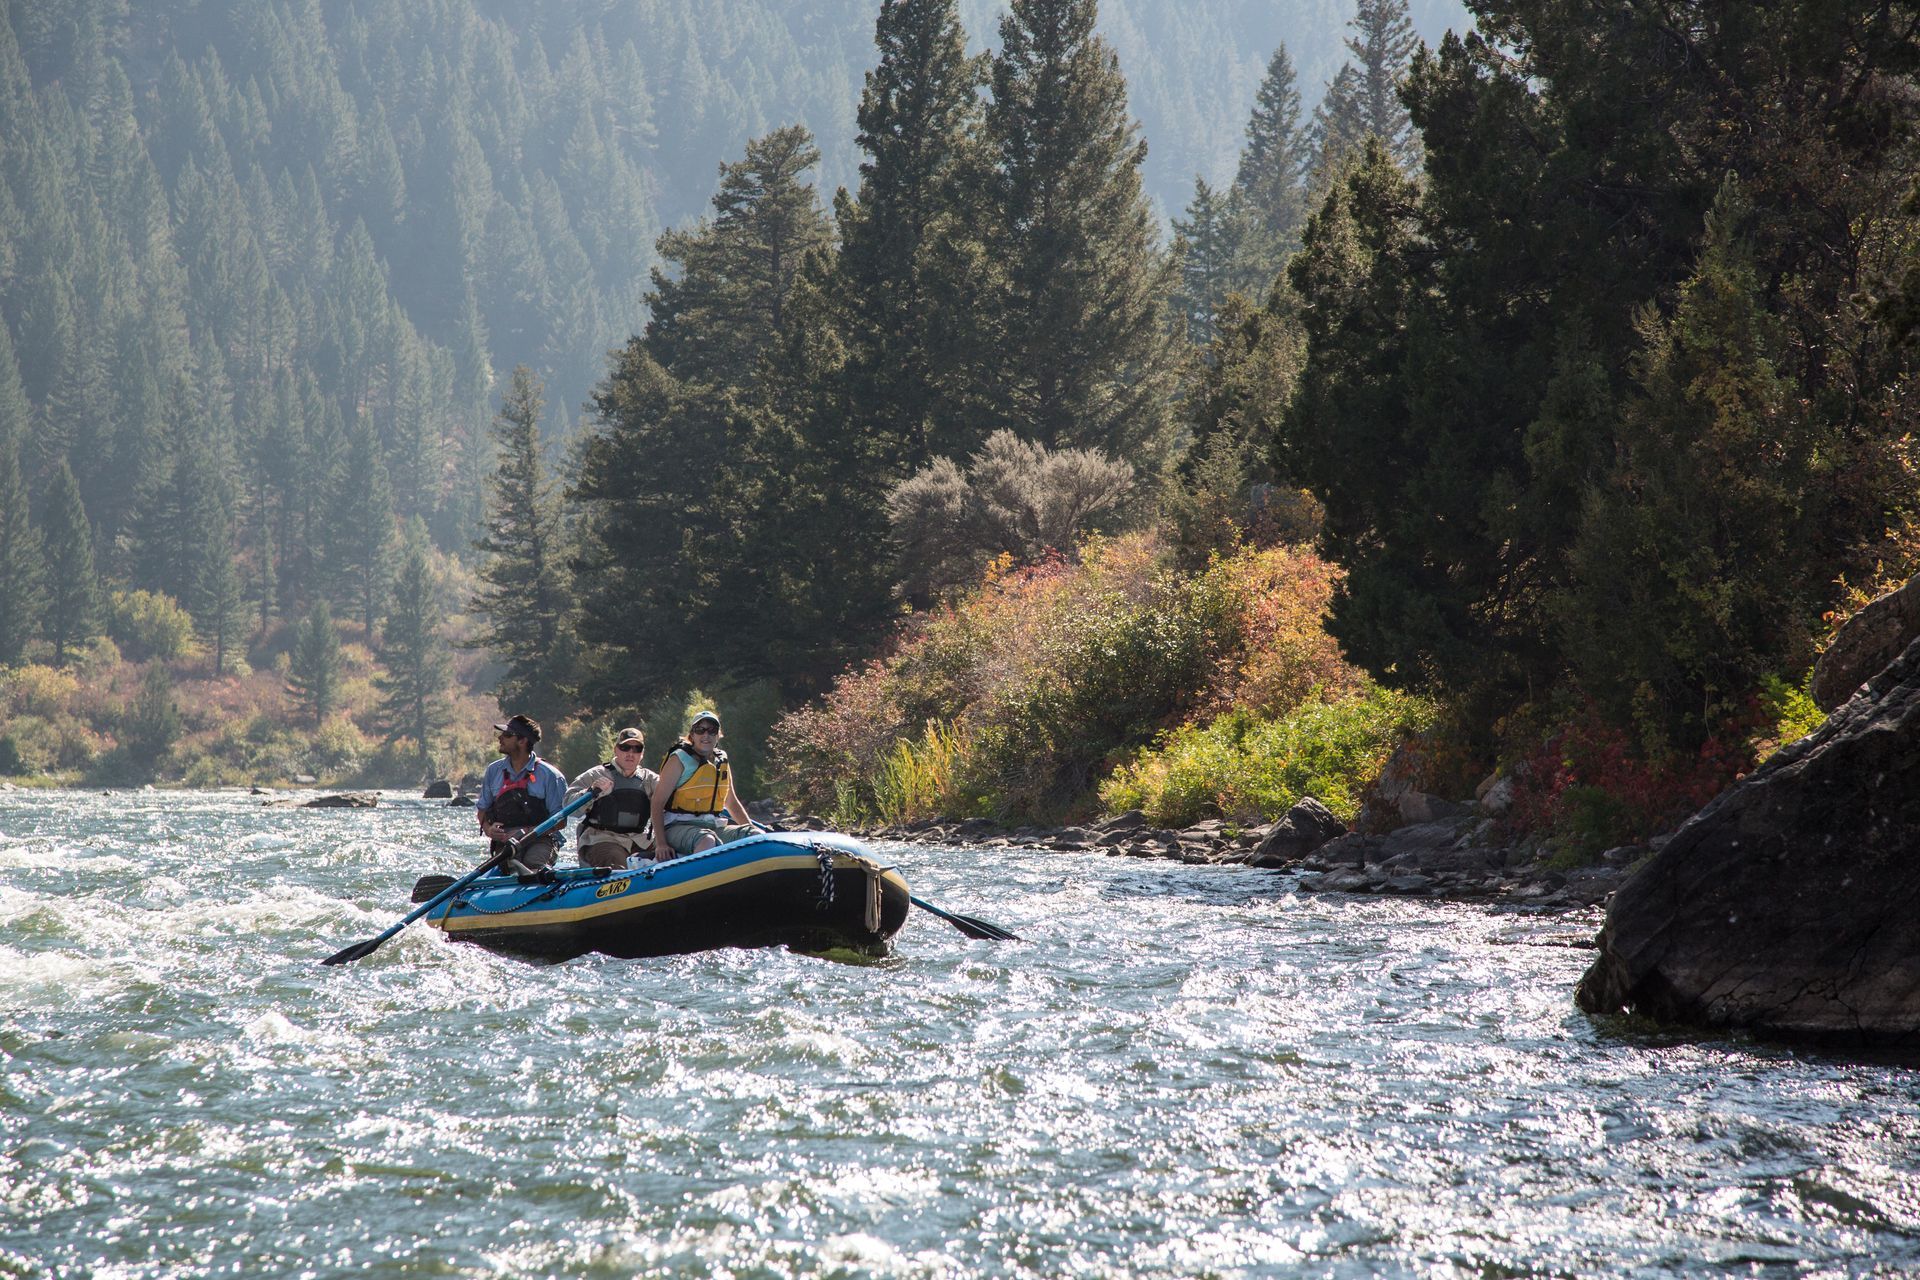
(518,791)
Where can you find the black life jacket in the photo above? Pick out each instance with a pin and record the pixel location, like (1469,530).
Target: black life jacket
(517,805)
(625,809)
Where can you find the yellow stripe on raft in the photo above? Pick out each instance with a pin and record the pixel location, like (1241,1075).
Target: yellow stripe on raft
(666,893)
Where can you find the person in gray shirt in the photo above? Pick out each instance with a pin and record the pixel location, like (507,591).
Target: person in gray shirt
(614,827)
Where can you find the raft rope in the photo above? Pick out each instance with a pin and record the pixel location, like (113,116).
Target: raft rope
(825,854)
(553,890)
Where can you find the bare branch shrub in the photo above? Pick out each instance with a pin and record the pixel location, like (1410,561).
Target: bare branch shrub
(1014,498)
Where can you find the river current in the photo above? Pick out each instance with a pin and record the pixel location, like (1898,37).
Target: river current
(1177,1072)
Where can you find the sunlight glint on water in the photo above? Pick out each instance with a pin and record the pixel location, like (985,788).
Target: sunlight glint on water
(1179,1072)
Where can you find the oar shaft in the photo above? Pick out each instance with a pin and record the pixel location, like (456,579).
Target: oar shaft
(360,949)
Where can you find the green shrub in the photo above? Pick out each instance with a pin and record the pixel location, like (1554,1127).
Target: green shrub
(1789,710)
(1240,766)
(921,779)
(38,690)
(148,624)
(28,746)
(337,747)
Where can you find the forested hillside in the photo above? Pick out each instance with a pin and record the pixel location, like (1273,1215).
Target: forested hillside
(1547,389)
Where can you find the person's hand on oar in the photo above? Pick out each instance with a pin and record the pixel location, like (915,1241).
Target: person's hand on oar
(360,950)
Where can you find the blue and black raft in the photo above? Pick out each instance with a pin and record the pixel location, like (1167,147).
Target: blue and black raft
(810,891)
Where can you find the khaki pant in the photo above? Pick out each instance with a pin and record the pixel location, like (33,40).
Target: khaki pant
(683,837)
(606,850)
(534,854)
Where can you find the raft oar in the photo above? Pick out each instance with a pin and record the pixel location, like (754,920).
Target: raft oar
(972,926)
(360,950)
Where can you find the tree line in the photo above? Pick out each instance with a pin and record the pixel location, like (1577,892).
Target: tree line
(731,513)
(1591,370)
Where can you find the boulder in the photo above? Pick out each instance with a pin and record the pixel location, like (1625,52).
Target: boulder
(465,800)
(1495,800)
(1306,826)
(345,800)
(1867,643)
(1786,906)
(438,789)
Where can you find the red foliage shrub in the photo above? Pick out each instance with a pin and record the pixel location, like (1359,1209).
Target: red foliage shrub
(1584,781)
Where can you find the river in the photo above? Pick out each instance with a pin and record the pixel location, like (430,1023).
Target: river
(1177,1072)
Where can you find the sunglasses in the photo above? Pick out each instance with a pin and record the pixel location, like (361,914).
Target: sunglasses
(631,746)
(706,728)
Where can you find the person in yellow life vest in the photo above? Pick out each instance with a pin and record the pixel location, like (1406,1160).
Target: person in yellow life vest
(695,795)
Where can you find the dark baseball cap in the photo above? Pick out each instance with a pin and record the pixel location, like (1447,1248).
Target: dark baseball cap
(520,727)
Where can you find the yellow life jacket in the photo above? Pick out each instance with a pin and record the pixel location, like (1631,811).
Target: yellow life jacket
(703,783)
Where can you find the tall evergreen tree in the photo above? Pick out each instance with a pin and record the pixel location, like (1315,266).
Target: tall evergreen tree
(1085,358)
(908,242)
(22,564)
(714,322)
(413,690)
(313,673)
(525,594)
(1384,42)
(1277,157)
(1339,126)
(698,389)
(216,595)
(72,586)
(360,527)
(1212,242)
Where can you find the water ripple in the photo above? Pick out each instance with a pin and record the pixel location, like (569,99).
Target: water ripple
(1180,1072)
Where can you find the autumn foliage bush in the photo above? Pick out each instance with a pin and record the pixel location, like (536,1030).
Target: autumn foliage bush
(1589,786)
(1019,698)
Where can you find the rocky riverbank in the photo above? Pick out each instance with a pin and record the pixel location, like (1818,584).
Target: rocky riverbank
(1452,854)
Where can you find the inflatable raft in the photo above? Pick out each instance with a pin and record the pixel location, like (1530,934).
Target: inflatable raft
(811,891)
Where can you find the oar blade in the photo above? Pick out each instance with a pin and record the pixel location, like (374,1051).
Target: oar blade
(347,955)
(428,887)
(972,926)
(975,927)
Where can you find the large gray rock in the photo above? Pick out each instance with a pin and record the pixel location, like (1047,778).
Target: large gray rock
(1871,639)
(1304,828)
(1791,903)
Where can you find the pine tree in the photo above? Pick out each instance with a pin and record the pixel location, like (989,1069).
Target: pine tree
(1211,241)
(414,704)
(714,321)
(153,722)
(700,387)
(72,587)
(360,527)
(22,566)
(908,243)
(1275,162)
(1085,357)
(1385,42)
(313,673)
(217,594)
(1339,126)
(525,595)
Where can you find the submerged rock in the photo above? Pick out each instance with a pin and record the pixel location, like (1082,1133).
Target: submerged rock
(1787,905)
(345,800)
